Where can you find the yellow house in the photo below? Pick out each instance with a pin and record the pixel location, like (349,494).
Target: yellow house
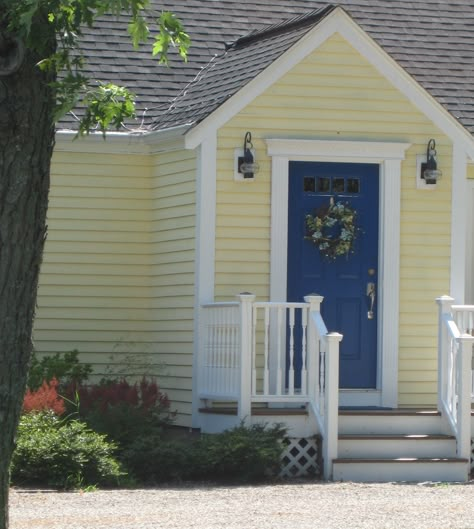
(272,240)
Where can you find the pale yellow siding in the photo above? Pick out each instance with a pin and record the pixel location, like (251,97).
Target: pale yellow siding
(470,171)
(117,278)
(94,287)
(172,279)
(336,94)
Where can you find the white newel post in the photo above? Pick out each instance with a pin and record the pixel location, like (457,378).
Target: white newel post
(464,404)
(445,304)
(245,402)
(312,346)
(331,415)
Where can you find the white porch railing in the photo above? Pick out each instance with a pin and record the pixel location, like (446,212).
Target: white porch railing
(455,346)
(219,352)
(273,353)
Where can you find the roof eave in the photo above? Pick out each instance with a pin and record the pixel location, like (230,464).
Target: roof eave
(126,142)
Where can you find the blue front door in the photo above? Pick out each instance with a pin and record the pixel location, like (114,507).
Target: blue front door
(348,282)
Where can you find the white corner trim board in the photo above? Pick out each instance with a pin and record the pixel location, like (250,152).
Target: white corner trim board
(205,249)
(388,155)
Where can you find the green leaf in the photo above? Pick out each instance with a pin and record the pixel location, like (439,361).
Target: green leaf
(108,105)
(27,11)
(171,32)
(138,30)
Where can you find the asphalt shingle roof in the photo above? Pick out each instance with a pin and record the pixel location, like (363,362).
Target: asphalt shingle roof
(432,40)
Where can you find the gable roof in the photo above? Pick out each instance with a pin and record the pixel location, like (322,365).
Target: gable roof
(432,40)
(242,61)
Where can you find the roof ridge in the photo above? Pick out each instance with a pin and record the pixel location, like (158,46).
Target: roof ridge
(282,27)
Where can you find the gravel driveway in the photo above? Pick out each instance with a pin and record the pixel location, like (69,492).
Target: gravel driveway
(291,506)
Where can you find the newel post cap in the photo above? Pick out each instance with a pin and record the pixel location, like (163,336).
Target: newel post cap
(246,296)
(314,301)
(445,302)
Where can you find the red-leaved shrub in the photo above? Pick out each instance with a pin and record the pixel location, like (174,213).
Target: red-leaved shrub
(45,398)
(122,410)
(143,397)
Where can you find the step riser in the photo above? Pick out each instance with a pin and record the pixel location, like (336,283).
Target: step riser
(297,426)
(400,471)
(392,449)
(365,425)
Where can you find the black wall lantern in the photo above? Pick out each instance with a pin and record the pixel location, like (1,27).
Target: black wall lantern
(246,163)
(429,169)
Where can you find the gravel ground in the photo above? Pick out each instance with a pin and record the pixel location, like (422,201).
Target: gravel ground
(289,506)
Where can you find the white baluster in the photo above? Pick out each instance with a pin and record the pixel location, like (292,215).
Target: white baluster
(220,355)
(291,353)
(304,374)
(266,369)
(254,351)
(228,349)
(280,351)
(322,377)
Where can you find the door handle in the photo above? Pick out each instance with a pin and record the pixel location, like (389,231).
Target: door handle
(371,300)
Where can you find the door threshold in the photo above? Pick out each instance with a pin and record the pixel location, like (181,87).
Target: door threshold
(357,398)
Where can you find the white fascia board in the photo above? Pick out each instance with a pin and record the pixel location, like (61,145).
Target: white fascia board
(134,143)
(331,150)
(336,22)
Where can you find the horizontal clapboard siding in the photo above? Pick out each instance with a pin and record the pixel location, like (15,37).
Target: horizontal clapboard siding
(172,281)
(94,291)
(117,280)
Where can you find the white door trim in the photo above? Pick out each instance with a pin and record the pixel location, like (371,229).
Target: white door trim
(389,156)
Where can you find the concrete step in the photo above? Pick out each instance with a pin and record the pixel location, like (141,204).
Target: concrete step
(395,446)
(401,469)
(366,422)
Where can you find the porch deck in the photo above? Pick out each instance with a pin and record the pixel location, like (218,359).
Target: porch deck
(276,362)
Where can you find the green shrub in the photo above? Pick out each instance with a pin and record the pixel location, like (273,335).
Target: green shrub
(153,460)
(242,454)
(64,367)
(63,454)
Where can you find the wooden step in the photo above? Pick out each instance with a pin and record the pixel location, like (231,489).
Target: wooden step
(394,446)
(297,420)
(257,411)
(401,469)
(390,422)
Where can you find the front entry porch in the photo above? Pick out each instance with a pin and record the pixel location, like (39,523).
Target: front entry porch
(276,362)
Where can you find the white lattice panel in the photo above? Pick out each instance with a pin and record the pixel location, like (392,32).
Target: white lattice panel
(300,458)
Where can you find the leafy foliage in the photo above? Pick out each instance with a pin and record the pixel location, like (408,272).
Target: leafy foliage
(36,22)
(64,367)
(108,105)
(241,454)
(64,454)
(244,453)
(124,411)
(333,230)
(44,398)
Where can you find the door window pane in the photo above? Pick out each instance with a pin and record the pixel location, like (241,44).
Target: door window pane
(324,185)
(338,185)
(353,185)
(309,184)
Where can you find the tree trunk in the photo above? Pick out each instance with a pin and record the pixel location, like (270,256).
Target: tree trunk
(26,144)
